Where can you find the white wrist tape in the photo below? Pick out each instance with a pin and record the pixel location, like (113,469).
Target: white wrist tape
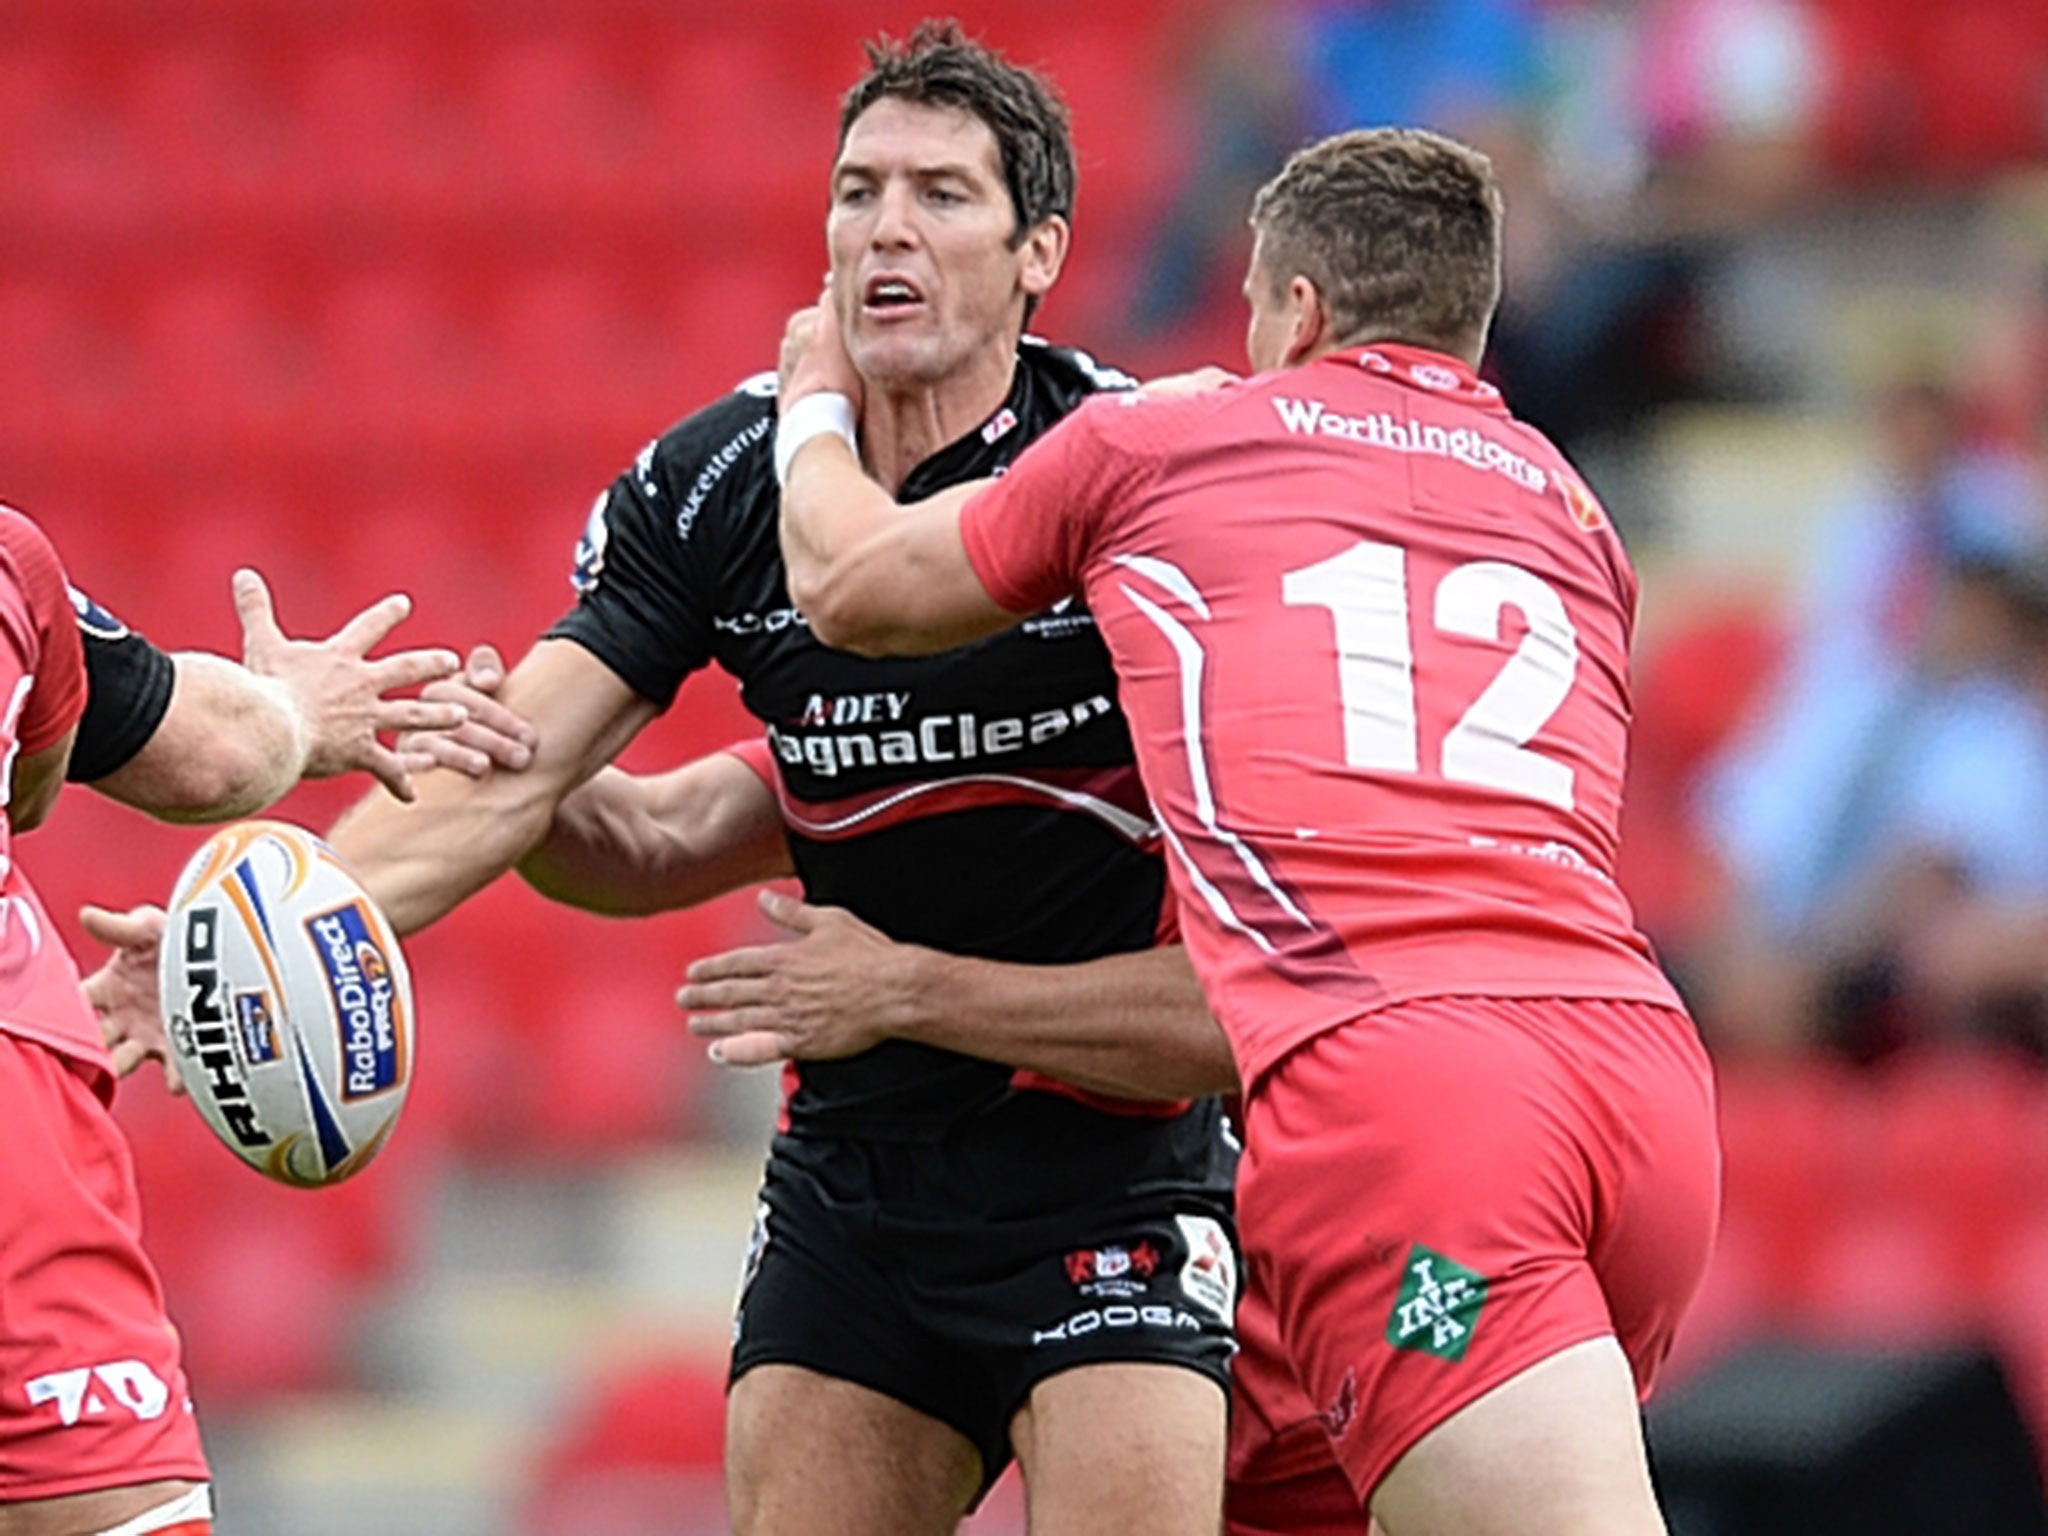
(812,416)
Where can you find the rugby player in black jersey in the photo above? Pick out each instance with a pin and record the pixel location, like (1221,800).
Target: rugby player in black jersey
(956,1262)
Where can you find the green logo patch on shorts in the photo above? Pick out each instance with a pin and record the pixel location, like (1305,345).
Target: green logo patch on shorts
(1438,1306)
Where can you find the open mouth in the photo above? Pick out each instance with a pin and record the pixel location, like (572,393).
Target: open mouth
(888,294)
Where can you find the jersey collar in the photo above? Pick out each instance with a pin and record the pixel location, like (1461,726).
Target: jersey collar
(992,444)
(1437,373)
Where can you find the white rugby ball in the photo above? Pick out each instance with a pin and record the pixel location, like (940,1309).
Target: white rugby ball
(288,1003)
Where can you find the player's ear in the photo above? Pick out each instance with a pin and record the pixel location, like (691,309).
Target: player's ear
(1042,254)
(1308,321)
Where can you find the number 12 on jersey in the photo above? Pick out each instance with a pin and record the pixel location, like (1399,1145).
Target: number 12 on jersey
(1365,589)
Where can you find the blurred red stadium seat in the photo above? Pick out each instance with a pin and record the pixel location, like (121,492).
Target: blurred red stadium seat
(642,1453)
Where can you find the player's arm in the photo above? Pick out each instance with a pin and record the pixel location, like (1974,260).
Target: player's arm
(874,577)
(1134,1025)
(868,574)
(422,858)
(35,782)
(233,738)
(628,844)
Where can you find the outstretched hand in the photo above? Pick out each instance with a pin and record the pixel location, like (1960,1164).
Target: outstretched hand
(491,736)
(339,692)
(123,992)
(839,989)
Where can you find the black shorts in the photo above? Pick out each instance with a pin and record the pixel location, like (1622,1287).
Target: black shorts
(955,1275)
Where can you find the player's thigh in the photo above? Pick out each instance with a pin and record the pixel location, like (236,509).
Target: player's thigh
(101,1510)
(1554,1451)
(811,1455)
(1131,1447)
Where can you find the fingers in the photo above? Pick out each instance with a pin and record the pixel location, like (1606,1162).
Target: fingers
(137,928)
(444,750)
(130,1054)
(417,715)
(361,633)
(253,608)
(388,769)
(490,727)
(485,668)
(719,996)
(756,1048)
(788,913)
(757,960)
(409,667)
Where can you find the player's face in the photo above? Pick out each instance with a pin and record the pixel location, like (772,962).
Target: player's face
(925,279)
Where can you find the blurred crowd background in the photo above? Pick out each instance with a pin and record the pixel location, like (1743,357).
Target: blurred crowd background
(378,294)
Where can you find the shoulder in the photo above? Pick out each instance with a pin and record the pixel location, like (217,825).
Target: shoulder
(724,448)
(1068,373)
(712,439)
(1145,425)
(23,539)
(33,568)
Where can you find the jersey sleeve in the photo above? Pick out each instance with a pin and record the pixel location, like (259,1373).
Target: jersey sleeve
(1030,534)
(128,692)
(42,634)
(644,586)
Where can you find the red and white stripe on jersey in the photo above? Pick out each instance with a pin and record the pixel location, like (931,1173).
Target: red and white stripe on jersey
(1114,796)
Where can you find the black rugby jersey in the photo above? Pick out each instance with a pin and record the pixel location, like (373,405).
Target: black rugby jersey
(984,801)
(128,689)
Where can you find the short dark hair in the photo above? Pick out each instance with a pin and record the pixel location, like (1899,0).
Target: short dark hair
(940,65)
(1398,228)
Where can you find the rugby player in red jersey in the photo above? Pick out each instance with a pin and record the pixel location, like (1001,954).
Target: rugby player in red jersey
(1372,637)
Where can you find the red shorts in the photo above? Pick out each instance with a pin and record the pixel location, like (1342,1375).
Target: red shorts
(1439,1195)
(91,1392)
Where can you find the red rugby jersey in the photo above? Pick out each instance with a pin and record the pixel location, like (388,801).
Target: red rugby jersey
(42,694)
(1372,635)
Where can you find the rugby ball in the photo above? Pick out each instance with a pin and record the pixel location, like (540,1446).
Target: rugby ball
(287,1002)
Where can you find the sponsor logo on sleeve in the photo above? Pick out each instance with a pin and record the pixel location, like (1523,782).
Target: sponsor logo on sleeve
(367,1010)
(715,469)
(94,619)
